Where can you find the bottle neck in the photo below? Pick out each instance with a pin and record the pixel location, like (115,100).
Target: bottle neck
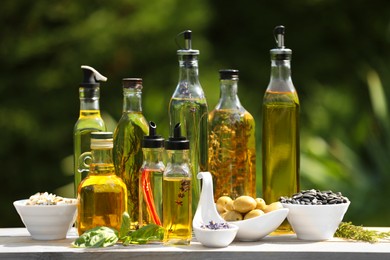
(132,100)
(189,86)
(102,156)
(228,98)
(281,70)
(89,98)
(281,76)
(154,155)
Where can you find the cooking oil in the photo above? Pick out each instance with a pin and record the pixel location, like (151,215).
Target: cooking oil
(102,195)
(232,148)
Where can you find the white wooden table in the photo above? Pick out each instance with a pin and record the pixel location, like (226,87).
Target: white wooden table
(16,243)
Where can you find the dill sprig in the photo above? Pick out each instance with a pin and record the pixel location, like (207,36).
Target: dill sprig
(349,231)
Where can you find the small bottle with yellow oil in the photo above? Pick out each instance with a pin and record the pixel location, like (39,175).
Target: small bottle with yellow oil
(89,121)
(102,196)
(280,140)
(177,195)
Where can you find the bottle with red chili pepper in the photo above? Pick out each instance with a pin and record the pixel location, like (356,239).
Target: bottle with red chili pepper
(150,180)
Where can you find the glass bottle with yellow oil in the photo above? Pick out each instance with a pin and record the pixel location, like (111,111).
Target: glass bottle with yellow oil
(102,196)
(127,151)
(232,146)
(280,142)
(177,195)
(150,180)
(189,107)
(89,121)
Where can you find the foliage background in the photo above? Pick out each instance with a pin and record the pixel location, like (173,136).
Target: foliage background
(340,68)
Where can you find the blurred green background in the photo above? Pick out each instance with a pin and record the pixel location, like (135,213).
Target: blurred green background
(340,68)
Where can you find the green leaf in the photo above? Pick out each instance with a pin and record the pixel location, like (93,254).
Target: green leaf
(97,237)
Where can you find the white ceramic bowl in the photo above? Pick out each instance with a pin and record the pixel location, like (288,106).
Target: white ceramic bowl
(256,228)
(315,222)
(47,222)
(216,238)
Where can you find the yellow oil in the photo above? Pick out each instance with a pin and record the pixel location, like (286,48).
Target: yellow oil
(177,212)
(102,199)
(89,121)
(232,153)
(280,147)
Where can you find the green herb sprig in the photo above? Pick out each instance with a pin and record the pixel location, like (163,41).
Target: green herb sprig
(349,231)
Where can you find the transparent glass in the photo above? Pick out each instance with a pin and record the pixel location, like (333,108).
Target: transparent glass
(177,199)
(232,145)
(127,151)
(102,195)
(280,144)
(188,107)
(150,187)
(89,121)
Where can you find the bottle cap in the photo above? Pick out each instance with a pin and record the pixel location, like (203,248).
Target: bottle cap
(134,83)
(101,140)
(228,74)
(280,52)
(177,142)
(152,140)
(91,77)
(187,44)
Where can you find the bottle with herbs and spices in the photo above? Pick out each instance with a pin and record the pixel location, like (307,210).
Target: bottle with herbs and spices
(232,145)
(127,151)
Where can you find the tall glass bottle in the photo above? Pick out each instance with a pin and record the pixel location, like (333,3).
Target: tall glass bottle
(150,181)
(232,146)
(280,143)
(89,121)
(102,195)
(189,107)
(127,151)
(177,195)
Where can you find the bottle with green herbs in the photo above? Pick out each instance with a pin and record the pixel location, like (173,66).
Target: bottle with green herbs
(177,196)
(127,151)
(150,180)
(89,121)
(189,107)
(280,143)
(102,196)
(232,146)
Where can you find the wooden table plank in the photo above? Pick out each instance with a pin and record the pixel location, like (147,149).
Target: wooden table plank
(16,243)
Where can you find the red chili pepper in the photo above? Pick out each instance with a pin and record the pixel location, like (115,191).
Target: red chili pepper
(145,180)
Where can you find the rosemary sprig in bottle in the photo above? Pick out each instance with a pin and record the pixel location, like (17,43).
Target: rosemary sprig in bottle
(349,231)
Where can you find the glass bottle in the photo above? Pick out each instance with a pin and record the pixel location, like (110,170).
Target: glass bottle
(177,195)
(127,151)
(188,106)
(150,180)
(232,146)
(89,121)
(280,144)
(102,195)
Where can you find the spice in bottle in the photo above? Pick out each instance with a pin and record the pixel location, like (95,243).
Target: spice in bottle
(151,177)
(127,151)
(232,145)
(188,107)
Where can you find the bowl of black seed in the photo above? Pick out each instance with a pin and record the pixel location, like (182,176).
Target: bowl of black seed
(315,214)
(215,234)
